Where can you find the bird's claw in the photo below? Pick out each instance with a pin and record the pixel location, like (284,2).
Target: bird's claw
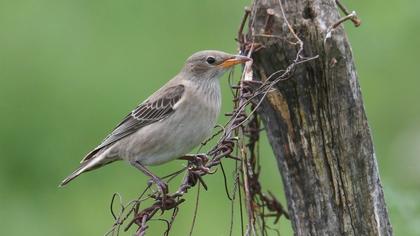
(163,189)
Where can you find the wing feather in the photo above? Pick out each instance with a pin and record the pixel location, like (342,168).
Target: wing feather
(152,110)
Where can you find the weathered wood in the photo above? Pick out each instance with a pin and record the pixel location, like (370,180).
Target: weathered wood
(317,125)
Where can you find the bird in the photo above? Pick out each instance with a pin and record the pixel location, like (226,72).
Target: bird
(171,122)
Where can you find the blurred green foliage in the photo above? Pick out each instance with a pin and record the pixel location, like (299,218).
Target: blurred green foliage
(70,70)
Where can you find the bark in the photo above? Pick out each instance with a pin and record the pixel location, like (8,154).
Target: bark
(316,123)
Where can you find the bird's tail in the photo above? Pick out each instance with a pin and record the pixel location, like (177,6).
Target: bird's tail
(97,160)
(85,166)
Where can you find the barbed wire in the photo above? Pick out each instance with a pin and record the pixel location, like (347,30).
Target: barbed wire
(240,133)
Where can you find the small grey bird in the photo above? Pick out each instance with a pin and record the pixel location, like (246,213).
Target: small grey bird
(171,122)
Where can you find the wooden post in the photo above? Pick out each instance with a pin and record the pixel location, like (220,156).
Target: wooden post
(316,122)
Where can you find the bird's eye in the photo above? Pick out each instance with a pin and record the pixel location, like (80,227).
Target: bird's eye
(210,60)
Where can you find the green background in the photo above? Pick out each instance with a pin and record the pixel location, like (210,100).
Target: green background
(70,70)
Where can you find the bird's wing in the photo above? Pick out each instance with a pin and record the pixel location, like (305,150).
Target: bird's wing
(159,106)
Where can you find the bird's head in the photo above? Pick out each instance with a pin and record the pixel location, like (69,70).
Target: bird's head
(211,64)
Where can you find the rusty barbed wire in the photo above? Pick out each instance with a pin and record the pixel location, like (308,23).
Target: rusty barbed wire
(241,125)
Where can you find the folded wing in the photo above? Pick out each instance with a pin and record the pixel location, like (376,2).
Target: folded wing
(158,107)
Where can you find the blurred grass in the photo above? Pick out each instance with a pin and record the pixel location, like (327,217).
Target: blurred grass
(70,70)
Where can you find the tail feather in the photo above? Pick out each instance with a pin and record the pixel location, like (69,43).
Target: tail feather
(93,160)
(85,166)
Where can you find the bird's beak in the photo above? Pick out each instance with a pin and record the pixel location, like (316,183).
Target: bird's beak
(234,61)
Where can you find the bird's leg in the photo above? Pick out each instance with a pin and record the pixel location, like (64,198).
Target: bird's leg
(162,186)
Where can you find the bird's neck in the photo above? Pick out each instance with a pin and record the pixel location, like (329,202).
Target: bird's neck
(209,89)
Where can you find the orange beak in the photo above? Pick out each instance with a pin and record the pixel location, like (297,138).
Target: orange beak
(234,61)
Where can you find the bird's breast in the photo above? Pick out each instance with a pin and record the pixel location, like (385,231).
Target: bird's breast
(202,108)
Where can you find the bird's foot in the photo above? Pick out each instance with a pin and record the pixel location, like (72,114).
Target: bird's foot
(161,185)
(197,162)
(163,189)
